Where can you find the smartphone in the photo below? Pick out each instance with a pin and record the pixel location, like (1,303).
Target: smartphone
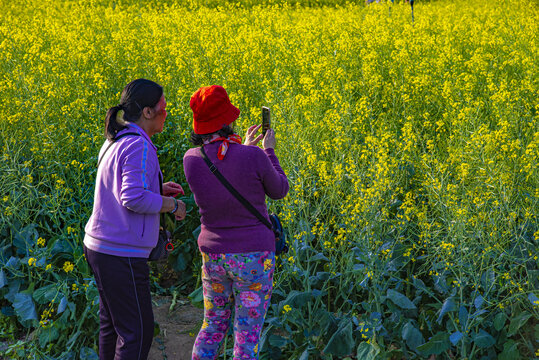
(266,119)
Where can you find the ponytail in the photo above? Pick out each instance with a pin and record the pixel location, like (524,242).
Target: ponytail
(136,95)
(112,126)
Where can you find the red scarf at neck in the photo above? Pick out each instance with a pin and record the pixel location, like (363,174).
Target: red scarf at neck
(225,143)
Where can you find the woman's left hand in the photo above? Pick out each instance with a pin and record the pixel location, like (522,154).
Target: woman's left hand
(172,189)
(250,138)
(181,212)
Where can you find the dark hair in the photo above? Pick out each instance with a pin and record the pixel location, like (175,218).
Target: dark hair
(198,139)
(136,95)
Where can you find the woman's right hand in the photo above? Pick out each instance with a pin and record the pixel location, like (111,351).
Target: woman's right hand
(269,141)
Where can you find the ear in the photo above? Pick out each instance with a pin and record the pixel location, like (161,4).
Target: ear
(147,112)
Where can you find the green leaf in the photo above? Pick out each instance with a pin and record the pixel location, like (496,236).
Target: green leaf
(366,351)
(326,322)
(13,289)
(62,306)
(25,239)
(456,337)
(13,262)
(45,294)
(463,316)
(499,321)
(510,351)
(478,302)
(296,299)
(421,287)
(318,257)
(87,353)
(440,284)
(277,341)
(532,297)
(449,305)
(436,345)
(3,279)
(304,355)
(483,339)
(412,336)
(24,307)
(400,300)
(180,264)
(197,298)
(196,232)
(518,322)
(319,279)
(488,279)
(342,342)
(48,335)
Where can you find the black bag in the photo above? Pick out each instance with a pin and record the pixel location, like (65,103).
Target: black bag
(281,245)
(163,247)
(164,244)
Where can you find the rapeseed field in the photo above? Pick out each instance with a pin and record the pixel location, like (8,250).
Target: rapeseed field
(411,146)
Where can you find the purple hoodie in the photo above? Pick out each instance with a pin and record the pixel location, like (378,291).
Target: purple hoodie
(127,200)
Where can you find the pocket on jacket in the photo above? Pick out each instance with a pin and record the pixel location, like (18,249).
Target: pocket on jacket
(143,226)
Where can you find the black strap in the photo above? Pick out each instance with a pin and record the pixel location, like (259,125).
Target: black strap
(113,141)
(233,191)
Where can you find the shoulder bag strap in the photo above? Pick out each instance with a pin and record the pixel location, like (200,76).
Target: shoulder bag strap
(233,191)
(113,141)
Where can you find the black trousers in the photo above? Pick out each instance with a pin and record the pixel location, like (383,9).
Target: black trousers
(125,306)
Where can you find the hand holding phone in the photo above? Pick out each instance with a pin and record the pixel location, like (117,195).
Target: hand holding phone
(269,141)
(266,119)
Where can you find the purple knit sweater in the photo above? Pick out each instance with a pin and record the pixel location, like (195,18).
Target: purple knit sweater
(227,227)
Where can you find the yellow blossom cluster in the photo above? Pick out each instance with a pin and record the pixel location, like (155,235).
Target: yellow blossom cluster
(68,266)
(47,315)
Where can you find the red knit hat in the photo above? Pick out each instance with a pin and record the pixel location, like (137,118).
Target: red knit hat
(212,109)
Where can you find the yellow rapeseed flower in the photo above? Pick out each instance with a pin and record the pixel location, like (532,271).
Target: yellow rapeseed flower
(68,266)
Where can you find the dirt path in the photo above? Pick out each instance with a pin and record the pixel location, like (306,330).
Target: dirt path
(178,329)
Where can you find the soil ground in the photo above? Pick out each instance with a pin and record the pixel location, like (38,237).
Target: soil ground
(178,329)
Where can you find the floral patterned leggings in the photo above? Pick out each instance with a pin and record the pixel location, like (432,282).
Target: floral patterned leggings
(240,281)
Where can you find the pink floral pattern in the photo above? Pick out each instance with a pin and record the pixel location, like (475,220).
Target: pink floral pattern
(239,285)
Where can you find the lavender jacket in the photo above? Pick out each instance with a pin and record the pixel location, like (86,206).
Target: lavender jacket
(226,225)
(127,200)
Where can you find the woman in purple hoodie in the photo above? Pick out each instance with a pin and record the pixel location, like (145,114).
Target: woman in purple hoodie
(238,250)
(124,224)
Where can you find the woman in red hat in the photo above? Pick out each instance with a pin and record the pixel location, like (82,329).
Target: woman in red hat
(238,250)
